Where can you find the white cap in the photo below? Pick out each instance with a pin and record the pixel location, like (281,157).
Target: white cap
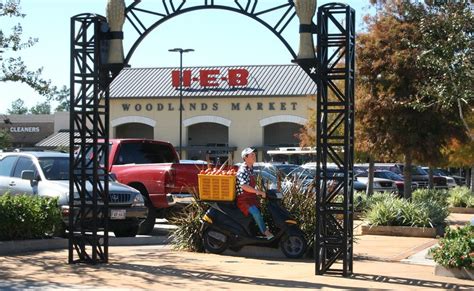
(247,151)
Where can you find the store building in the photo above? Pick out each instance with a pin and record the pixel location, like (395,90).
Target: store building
(225,109)
(27,130)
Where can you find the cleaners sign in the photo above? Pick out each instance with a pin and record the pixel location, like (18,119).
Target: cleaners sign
(212,78)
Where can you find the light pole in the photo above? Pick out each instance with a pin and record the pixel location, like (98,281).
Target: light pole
(180,51)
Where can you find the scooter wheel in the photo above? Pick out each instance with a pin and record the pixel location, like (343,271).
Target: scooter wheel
(214,241)
(293,246)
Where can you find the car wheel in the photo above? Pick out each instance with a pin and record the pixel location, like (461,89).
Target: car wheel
(146,227)
(214,241)
(293,246)
(126,231)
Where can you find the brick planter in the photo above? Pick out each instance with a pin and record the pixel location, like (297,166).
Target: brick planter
(460,273)
(400,231)
(466,210)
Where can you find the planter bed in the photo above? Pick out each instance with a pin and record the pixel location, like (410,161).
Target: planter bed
(460,273)
(466,210)
(400,231)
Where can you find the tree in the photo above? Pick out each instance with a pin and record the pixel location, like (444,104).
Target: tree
(13,68)
(447,57)
(18,107)
(41,108)
(5,139)
(62,96)
(389,78)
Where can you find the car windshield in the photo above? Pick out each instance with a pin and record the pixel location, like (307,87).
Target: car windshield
(439,172)
(389,175)
(303,173)
(286,169)
(55,168)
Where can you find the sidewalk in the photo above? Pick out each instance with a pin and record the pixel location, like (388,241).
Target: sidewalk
(377,265)
(159,267)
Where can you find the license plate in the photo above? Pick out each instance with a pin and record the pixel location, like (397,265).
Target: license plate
(118,213)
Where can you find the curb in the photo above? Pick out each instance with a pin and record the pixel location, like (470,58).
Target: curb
(36,245)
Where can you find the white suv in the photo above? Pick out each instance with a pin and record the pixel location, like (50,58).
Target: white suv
(47,174)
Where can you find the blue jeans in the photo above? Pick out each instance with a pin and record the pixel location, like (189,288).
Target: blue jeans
(257,216)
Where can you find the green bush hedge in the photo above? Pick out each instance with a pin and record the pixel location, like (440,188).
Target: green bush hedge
(456,249)
(28,217)
(386,209)
(460,197)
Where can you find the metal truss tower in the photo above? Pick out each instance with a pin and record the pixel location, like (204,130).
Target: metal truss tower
(335,139)
(89,139)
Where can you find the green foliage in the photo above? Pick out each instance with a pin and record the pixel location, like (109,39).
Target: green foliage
(187,234)
(460,197)
(396,115)
(18,107)
(423,195)
(300,202)
(456,249)
(387,209)
(5,139)
(41,108)
(28,217)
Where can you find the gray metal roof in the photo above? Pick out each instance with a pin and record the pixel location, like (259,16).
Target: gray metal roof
(57,139)
(264,80)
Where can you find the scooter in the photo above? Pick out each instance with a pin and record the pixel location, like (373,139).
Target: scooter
(225,226)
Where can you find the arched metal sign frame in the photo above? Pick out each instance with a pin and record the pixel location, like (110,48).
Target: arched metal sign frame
(90,79)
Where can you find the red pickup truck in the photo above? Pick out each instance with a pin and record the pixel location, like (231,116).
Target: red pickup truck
(153,168)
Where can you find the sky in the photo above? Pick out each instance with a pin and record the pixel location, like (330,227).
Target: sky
(218,37)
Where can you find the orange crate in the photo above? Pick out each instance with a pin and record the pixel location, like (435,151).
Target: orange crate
(216,187)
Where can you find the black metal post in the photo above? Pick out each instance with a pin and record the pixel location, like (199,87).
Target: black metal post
(181,51)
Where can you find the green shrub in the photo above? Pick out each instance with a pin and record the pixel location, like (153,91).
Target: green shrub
(423,195)
(456,249)
(28,217)
(187,235)
(300,202)
(360,201)
(387,209)
(460,197)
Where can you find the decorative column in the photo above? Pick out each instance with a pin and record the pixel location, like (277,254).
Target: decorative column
(305,10)
(116,18)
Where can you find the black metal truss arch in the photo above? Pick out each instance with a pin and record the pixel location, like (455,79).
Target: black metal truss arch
(89,139)
(167,9)
(333,62)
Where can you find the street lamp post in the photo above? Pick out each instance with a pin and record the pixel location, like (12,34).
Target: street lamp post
(180,51)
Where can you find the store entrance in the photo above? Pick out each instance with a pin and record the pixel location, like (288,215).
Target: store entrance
(208,140)
(134,130)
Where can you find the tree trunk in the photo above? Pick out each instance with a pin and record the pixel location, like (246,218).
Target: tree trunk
(430,178)
(370,180)
(407,176)
(472,179)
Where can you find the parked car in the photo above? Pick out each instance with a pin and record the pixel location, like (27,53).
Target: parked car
(273,168)
(419,175)
(47,174)
(384,174)
(305,174)
(451,181)
(153,168)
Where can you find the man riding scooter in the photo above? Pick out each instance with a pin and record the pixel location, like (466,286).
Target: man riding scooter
(227,224)
(247,193)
